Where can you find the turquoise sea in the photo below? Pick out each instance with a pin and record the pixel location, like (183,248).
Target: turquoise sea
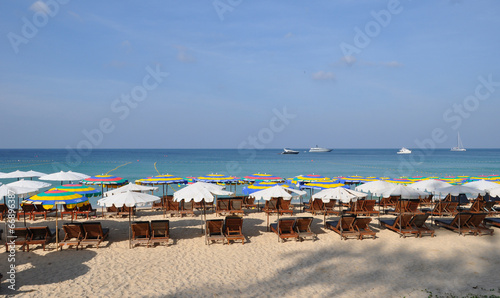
(134,164)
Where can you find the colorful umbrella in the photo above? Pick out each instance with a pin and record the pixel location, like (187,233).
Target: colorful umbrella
(104,180)
(301,179)
(262,177)
(321,185)
(54,197)
(161,179)
(218,178)
(260,186)
(80,189)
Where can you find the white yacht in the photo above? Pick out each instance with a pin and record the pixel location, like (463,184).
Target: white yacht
(404,151)
(459,147)
(318,149)
(289,151)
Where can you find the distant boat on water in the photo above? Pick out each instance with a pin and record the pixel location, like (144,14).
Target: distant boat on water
(460,146)
(404,151)
(289,151)
(319,149)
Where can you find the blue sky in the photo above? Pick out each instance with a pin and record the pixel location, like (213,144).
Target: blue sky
(346,74)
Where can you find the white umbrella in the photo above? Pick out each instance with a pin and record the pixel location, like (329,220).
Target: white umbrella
(35,173)
(482,185)
(338,193)
(29,184)
(200,191)
(373,186)
(15,174)
(495,192)
(429,185)
(64,176)
(129,199)
(6,190)
(456,190)
(277,191)
(402,191)
(130,187)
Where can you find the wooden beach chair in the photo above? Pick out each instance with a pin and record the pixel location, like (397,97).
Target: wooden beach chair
(20,237)
(439,208)
(126,211)
(418,222)
(39,210)
(141,233)
(3,211)
(94,234)
(214,231)
(457,224)
(494,222)
(356,207)
(187,208)
(26,209)
(160,231)
(236,206)
(343,227)
(284,207)
(172,208)
(85,210)
(285,229)
(68,211)
(360,225)
(331,208)
(113,210)
(271,206)
(233,229)
(222,207)
(303,228)
(40,236)
(73,234)
(316,207)
(249,202)
(476,221)
(368,208)
(400,225)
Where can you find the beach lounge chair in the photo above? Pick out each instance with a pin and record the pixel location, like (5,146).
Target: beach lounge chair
(389,202)
(439,208)
(331,209)
(26,209)
(418,222)
(316,207)
(249,202)
(172,208)
(400,225)
(20,236)
(113,210)
(126,211)
(303,228)
(140,233)
(3,211)
(73,234)
(285,229)
(368,208)
(85,210)
(233,229)
(284,207)
(160,231)
(94,234)
(360,225)
(67,210)
(343,227)
(40,236)
(187,208)
(222,207)
(457,224)
(214,231)
(271,206)
(477,206)
(476,221)
(356,207)
(39,210)
(236,206)
(494,222)
(451,208)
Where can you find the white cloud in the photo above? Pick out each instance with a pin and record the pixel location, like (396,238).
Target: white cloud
(349,60)
(392,64)
(323,76)
(40,6)
(289,35)
(183,55)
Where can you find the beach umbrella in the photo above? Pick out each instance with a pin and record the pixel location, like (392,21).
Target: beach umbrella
(301,179)
(32,174)
(338,193)
(104,180)
(130,187)
(164,180)
(495,192)
(80,189)
(9,191)
(482,185)
(321,185)
(403,181)
(456,190)
(260,186)
(402,191)
(64,176)
(16,174)
(29,184)
(219,178)
(128,199)
(262,178)
(429,185)
(373,186)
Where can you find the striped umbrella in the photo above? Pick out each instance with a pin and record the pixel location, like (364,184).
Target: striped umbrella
(218,178)
(260,186)
(80,189)
(321,185)
(262,177)
(104,180)
(301,179)
(54,197)
(162,180)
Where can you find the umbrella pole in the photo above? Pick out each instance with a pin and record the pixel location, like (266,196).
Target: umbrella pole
(129,228)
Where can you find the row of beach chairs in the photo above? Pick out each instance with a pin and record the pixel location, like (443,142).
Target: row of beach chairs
(149,233)
(294,228)
(224,230)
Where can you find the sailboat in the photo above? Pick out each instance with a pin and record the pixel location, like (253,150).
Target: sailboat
(459,147)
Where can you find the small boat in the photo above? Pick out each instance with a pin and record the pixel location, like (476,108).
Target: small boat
(318,149)
(460,147)
(404,151)
(289,151)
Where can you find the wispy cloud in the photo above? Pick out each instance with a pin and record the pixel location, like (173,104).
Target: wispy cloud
(40,6)
(351,61)
(323,76)
(75,15)
(183,54)
(289,35)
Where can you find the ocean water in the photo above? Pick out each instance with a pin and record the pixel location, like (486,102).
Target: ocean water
(134,164)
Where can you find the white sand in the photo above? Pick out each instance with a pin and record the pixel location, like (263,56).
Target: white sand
(388,266)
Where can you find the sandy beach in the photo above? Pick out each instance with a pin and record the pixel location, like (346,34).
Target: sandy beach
(388,266)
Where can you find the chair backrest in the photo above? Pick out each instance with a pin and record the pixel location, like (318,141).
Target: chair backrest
(223,204)
(286,225)
(21,233)
(362,222)
(488,206)
(28,207)
(452,207)
(39,233)
(236,204)
(369,205)
(403,220)
(86,207)
(346,223)
(112,209)
(92,229)
(284,204)
(188,205)
(318,205)
(172,206)
(477,205)
(272,204)
(215,226)
(330,205)
(250,200)
(303,224)
(234,222)
(3,208)
(160,228)
(441,206)
(460,220)
(73,230)
(39,208)
(412,206)
(66,208)
(419,220)
(140,229)
(476,219)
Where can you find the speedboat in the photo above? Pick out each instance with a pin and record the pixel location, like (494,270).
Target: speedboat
(404,151)
(318,149)
(289,151)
